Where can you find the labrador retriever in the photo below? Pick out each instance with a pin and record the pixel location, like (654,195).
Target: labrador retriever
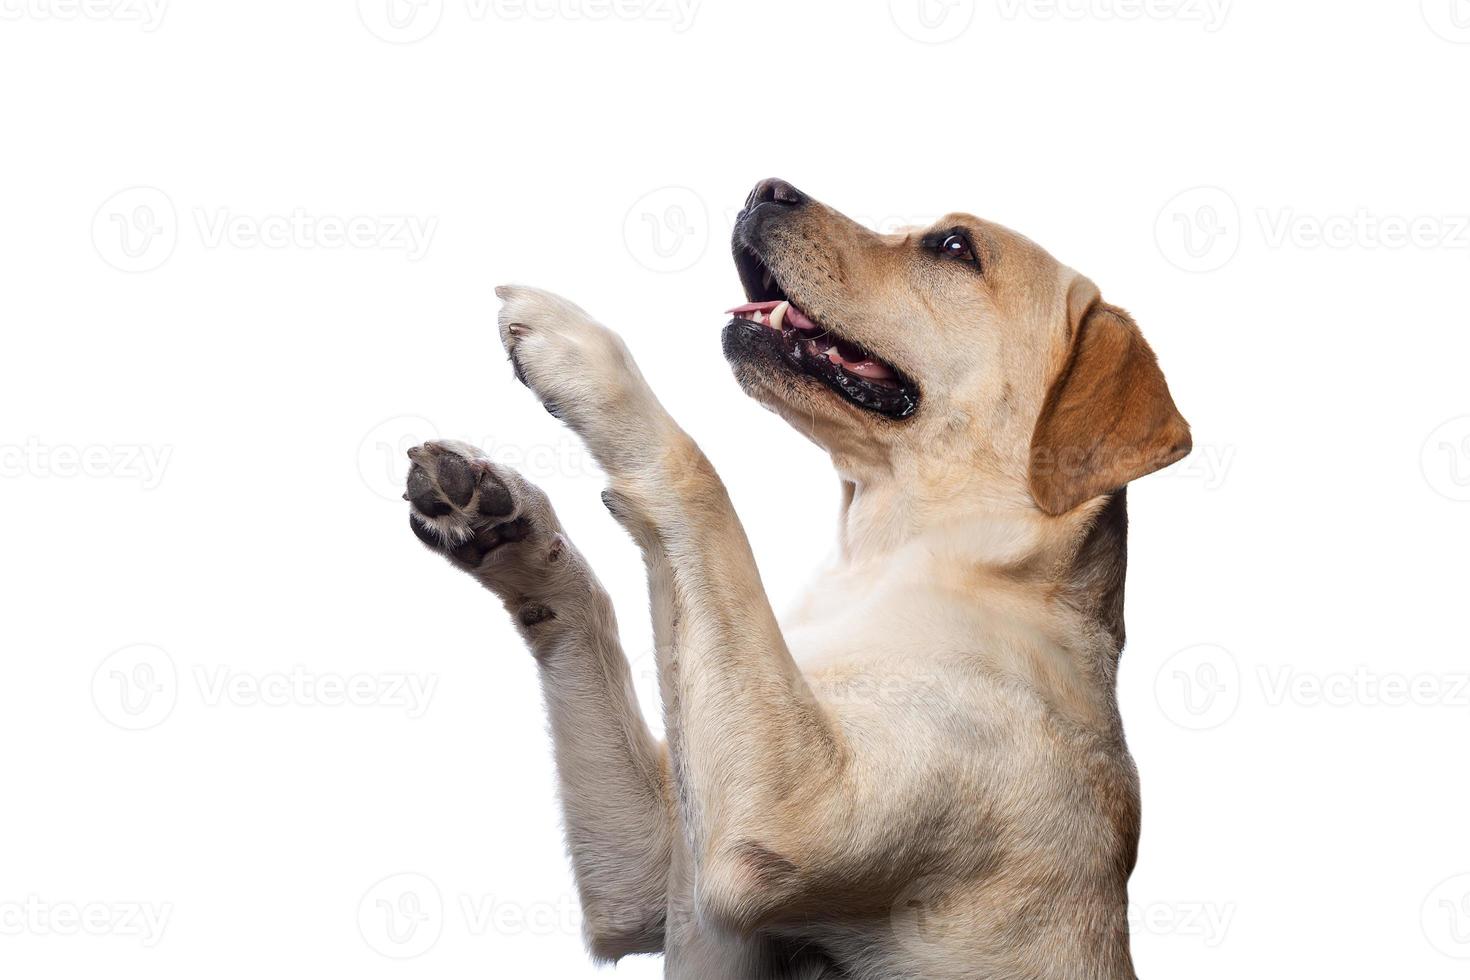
(921,771)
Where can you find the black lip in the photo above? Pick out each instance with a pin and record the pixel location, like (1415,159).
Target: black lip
(893,401)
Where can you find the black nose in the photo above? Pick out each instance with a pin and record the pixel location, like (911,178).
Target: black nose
(776,191)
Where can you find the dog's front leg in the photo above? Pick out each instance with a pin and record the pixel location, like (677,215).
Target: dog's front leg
(751,747)
(615,793)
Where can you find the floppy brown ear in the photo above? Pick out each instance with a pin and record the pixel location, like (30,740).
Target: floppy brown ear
(1108,418)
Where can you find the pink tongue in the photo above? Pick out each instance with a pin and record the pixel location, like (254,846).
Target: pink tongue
(795,319)
(863,369)
(799,320)
(756,307)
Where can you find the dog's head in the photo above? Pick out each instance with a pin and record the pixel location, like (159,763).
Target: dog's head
(957,350)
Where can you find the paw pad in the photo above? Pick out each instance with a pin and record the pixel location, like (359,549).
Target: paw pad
(495,498)
(489,537)
(461,506)
(422,495)
(456,479)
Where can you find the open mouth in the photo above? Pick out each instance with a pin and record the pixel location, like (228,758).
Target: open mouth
(813,349)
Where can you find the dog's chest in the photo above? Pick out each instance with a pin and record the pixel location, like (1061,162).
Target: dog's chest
(901,615)
(850,612)
(906,633)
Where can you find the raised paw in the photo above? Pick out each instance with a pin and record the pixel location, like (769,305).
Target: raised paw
(583,374)
(491,522)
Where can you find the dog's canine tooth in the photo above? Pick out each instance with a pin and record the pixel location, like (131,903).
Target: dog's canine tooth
(778,315)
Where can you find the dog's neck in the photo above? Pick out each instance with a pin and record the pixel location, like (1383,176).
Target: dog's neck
(993,525)
(1051,586)
(1079,557)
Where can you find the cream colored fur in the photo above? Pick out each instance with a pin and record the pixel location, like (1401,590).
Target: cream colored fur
(921,772)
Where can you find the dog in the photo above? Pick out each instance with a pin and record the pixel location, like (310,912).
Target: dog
(921,771)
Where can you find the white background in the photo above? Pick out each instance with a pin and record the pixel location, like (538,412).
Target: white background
(206,394)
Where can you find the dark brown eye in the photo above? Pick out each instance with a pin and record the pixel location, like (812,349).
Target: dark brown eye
(958,247)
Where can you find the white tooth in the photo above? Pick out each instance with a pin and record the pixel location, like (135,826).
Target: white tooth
(778,315)
(831,353)
(759,318)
